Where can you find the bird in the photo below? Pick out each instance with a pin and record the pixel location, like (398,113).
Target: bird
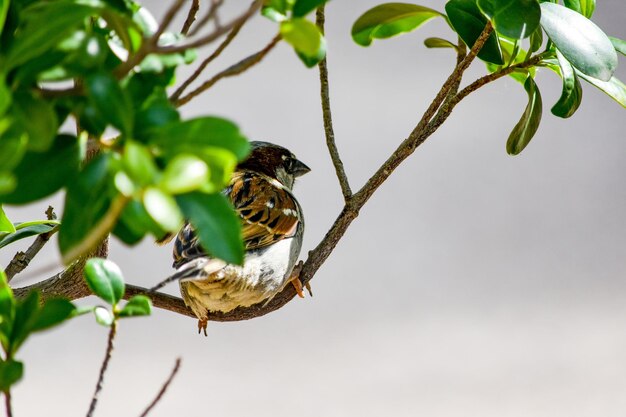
(272,223)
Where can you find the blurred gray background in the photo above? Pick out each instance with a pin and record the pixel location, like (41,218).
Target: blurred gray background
(472,284)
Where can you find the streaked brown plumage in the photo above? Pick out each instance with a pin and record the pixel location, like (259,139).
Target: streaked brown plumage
(272,227)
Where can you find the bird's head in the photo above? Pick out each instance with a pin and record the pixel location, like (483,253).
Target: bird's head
(275,162)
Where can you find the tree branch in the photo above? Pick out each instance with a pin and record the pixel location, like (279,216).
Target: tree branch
(191,16)
(439,109)
(231,35)
(103,368)
(163,389)
(327,115)
(231,71)
(22,259)
(212,36)
(210,15)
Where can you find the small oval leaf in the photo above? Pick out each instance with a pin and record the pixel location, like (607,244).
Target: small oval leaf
(184,173)
(163,209)
(572,93)
(139,305)
(614,88)
(217,225)
(526,128)
(516,19)
(439,43)
(306,39)
(390,19)
(469,22)
(105,279)
(580,41)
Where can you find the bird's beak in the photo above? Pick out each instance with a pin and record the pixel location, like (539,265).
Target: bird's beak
(299,168)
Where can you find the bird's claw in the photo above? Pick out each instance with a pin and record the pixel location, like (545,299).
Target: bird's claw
(297,284)
(202,323)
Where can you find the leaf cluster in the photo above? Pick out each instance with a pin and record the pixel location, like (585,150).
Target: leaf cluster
(69,60)
(104,278)
(528,34)
(21,318)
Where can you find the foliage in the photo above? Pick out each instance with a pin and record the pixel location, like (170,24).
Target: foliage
(576,47)
(106,281)
(133,167)
(18,320)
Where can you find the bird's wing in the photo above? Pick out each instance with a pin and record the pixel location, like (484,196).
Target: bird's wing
(268,213)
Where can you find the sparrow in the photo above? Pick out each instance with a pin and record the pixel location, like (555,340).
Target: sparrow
(272,223)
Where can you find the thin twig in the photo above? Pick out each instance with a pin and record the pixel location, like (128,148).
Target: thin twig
(218,32)
(22,259)
(231,35)
(210,15)
(191,16)
(163,389)
(327,115)
(103,368)
(149,45)
(494,76)
(7,403)
(231,71)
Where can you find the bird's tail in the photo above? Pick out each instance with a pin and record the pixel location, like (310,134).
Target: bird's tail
(199,268)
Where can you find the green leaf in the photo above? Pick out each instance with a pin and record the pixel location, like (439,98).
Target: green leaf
(303,7)
(87,199)
(526,128)
(4,8)
(139,164)
(469,22)
(54,312)
(221,165)
(26,312)
(7,182)
(439,43)
(516,19)
(276,10)
(7,302)
(11,371)
(103,316)
(5,224)
(306,39)
(40,174)
(217,225)
(390,19)
(5,94)
(199,133)
(618,44)
(139,305)
(38,119)
(572,93)
(45,25)
(105,279)
(580,41)
(614,88)
(184,173)
(156,113)
(34,230)
(163,209)
(135,222)
(14,142)
(584,7)
(113,103)
(536,39)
